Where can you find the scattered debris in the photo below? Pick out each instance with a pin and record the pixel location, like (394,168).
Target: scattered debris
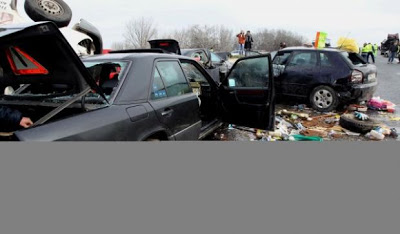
(376,103)
(394,118)
(393,133)
(299,123)
(375,135)
(354,107)
(361,116)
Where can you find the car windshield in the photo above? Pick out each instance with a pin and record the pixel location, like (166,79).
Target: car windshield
(107,74)
(353,58)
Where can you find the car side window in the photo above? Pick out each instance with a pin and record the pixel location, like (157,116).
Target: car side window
(200,56)
(173,77)
(192,73)
(326,59)
(250,73)
(158,89)
(215,58)
(304,59)
(281,58)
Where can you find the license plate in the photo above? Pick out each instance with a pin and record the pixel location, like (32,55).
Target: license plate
(372,76)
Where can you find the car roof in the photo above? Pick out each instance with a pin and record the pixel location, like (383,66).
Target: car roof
(132,56)
(311,48)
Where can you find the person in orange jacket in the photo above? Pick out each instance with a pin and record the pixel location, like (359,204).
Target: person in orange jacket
(241,40)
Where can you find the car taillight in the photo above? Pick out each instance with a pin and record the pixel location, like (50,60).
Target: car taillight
(356,77)
(23,64)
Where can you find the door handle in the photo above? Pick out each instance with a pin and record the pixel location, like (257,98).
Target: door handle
(167,112)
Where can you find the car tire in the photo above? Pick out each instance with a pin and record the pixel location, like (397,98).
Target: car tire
(153,139)
(350,122)
(324,98)
(56,11)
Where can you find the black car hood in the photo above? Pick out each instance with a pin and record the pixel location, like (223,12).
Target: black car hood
(169,45)
(43,42)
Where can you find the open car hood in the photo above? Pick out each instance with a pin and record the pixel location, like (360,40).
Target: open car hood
(169,45)
(45,53)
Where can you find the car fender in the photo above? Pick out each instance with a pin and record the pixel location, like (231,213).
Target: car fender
(156,131)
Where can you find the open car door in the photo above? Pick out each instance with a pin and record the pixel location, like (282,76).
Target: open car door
(248,94)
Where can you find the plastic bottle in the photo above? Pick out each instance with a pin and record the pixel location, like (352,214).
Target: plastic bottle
(377,135)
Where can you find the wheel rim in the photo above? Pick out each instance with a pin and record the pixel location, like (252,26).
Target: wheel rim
(323,98)
(51,7)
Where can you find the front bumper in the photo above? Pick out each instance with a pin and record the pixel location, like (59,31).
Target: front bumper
(359,93)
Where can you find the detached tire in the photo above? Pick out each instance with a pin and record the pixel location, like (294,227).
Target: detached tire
(56,11)
(323,98)
(350,122)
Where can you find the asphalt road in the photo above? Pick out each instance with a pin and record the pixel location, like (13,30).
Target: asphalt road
(389,80)
(388,89)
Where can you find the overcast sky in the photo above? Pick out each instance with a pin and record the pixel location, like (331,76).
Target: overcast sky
(365,21)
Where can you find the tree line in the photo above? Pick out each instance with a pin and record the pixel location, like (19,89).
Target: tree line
(218,37)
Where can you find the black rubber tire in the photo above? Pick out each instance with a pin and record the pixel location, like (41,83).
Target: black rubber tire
(350,122)
(332,106)
(40,10)
(153,139)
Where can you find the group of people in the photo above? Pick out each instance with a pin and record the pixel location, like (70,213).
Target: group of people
(245,42)
(368,50)
(393,50)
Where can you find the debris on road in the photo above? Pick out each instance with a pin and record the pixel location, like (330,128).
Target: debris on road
(299,123)
(376,103)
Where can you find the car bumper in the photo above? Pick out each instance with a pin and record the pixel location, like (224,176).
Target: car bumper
(359,93)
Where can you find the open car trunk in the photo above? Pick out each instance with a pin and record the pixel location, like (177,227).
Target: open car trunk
(41,75)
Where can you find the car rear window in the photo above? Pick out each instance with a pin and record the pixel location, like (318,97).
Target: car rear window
(353,58)
(107,74)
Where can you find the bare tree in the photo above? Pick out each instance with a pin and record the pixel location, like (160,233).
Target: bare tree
(270,39)
(180,35)
(118,46)
(139,31)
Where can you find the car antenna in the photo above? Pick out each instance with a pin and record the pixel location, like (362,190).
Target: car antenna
(344,41)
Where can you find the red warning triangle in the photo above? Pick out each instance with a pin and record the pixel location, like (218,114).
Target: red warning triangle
(23,64)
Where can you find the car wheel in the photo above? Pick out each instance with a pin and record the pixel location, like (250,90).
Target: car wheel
(324,99)
(152,139)
(56,11)
(350,122)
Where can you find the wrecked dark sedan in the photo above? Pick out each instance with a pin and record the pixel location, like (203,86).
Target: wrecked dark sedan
(125,96)
(324,77)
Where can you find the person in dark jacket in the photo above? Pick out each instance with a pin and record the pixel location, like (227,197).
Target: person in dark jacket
(11,119)
(393,50)
(248,42)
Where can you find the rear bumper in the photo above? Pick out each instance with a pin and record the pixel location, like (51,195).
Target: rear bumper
(359,93)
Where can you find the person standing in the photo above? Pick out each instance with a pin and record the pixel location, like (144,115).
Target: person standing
(398,53)
(376,50)
(393,50)
(282,45)
(364,51)
(241,40)
(370,52)
(248,42)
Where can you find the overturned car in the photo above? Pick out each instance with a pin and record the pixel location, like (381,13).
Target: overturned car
(124,96)
(84,37)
